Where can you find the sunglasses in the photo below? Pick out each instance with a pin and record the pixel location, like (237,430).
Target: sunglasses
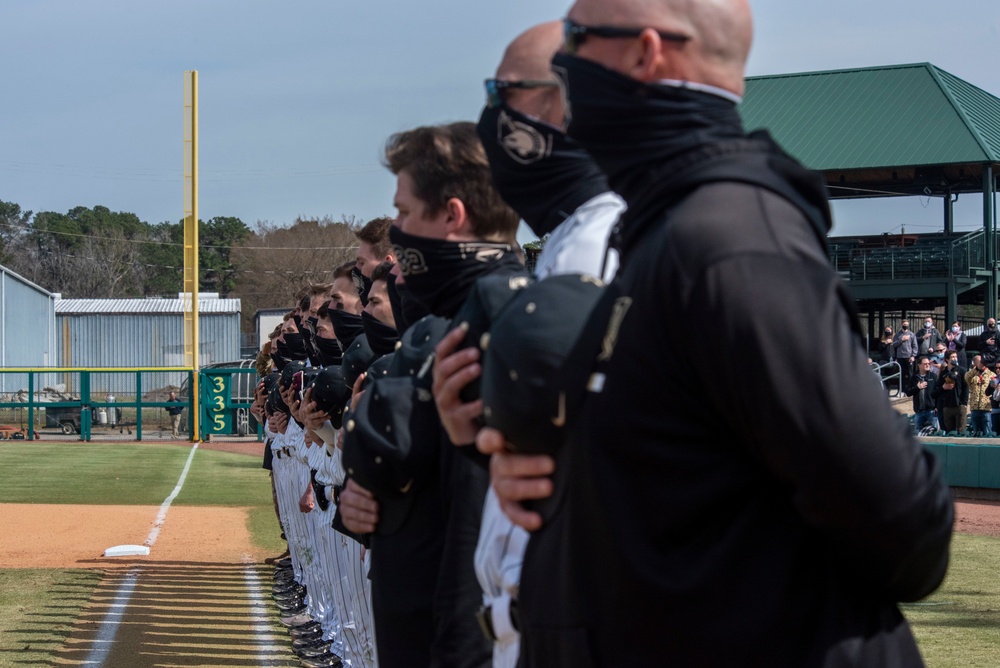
(496,87)
(575,34)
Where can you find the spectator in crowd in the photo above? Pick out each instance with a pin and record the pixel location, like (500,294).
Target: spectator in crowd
(988,343)
(978,379)
(905,348)
(928,337)
(374,246)
(994,390)
(886,351)
(175,412)
(920,388)
(951,394)
(956,340)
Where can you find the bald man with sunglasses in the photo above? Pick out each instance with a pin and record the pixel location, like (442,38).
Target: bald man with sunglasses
(688,524)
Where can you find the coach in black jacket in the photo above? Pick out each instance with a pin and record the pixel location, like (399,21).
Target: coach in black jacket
(696,526)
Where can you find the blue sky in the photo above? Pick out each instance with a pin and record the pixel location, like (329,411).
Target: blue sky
(297,98)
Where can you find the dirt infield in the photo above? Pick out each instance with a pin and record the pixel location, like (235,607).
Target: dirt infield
(70,536)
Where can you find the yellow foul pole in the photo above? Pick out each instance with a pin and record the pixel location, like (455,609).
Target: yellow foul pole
(191,348)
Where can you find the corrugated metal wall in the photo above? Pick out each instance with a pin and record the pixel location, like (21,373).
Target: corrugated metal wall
(93,340)
(27,323)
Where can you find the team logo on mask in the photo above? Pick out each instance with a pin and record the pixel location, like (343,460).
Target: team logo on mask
(522,142)
(411,261)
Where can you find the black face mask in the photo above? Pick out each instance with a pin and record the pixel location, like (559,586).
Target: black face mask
(439,274)
(405,309)
(279,361)
(539,171)
(362,283)
(293,347)
(346,326)
(329,352)
(381,337)
(308,333)
(626,125)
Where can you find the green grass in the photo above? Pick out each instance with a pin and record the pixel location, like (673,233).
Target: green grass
(37,609)
(264,530)
(128,474)
(959,626)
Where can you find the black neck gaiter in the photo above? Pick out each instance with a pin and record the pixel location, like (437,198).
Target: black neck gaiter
(293,347)
(405,309)
(279,361)
(439,274)
(539,171)
(362,283)
(330,353)
(346,326)
(381,337)
(627,125)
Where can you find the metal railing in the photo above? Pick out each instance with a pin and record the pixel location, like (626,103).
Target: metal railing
(935,257)
(123,403)
(888,373)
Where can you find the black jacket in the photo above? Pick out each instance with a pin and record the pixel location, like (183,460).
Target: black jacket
(958,395)
(922,398)
(775,526)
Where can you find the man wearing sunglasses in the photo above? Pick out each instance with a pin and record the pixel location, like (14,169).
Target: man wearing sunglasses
(776,525)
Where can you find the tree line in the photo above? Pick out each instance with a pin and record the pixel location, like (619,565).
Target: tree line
(97,253)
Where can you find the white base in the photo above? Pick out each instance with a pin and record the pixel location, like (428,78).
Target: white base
(126,551)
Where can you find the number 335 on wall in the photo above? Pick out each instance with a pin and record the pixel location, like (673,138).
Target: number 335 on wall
(219,418)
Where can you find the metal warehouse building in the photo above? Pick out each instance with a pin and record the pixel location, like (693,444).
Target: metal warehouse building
(144,332)
(27,323)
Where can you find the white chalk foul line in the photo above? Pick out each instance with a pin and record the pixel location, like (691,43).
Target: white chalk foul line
(270,645)
(161,517)
(109,626)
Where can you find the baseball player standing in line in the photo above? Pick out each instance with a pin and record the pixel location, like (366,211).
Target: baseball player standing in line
(558,191)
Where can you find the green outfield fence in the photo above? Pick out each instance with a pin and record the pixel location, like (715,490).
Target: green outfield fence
(122,404)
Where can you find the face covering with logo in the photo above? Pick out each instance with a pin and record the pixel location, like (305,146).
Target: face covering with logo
(627,125)
(539,171)
(439,274)
(381,337)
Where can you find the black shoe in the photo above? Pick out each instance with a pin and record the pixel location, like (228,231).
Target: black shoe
(306,631)
(317,651)
(327,661)
(310,641)
(291,595)
(280,558)
(289,604)
(284,561)
(294,620)
(292,612)
(282,587)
